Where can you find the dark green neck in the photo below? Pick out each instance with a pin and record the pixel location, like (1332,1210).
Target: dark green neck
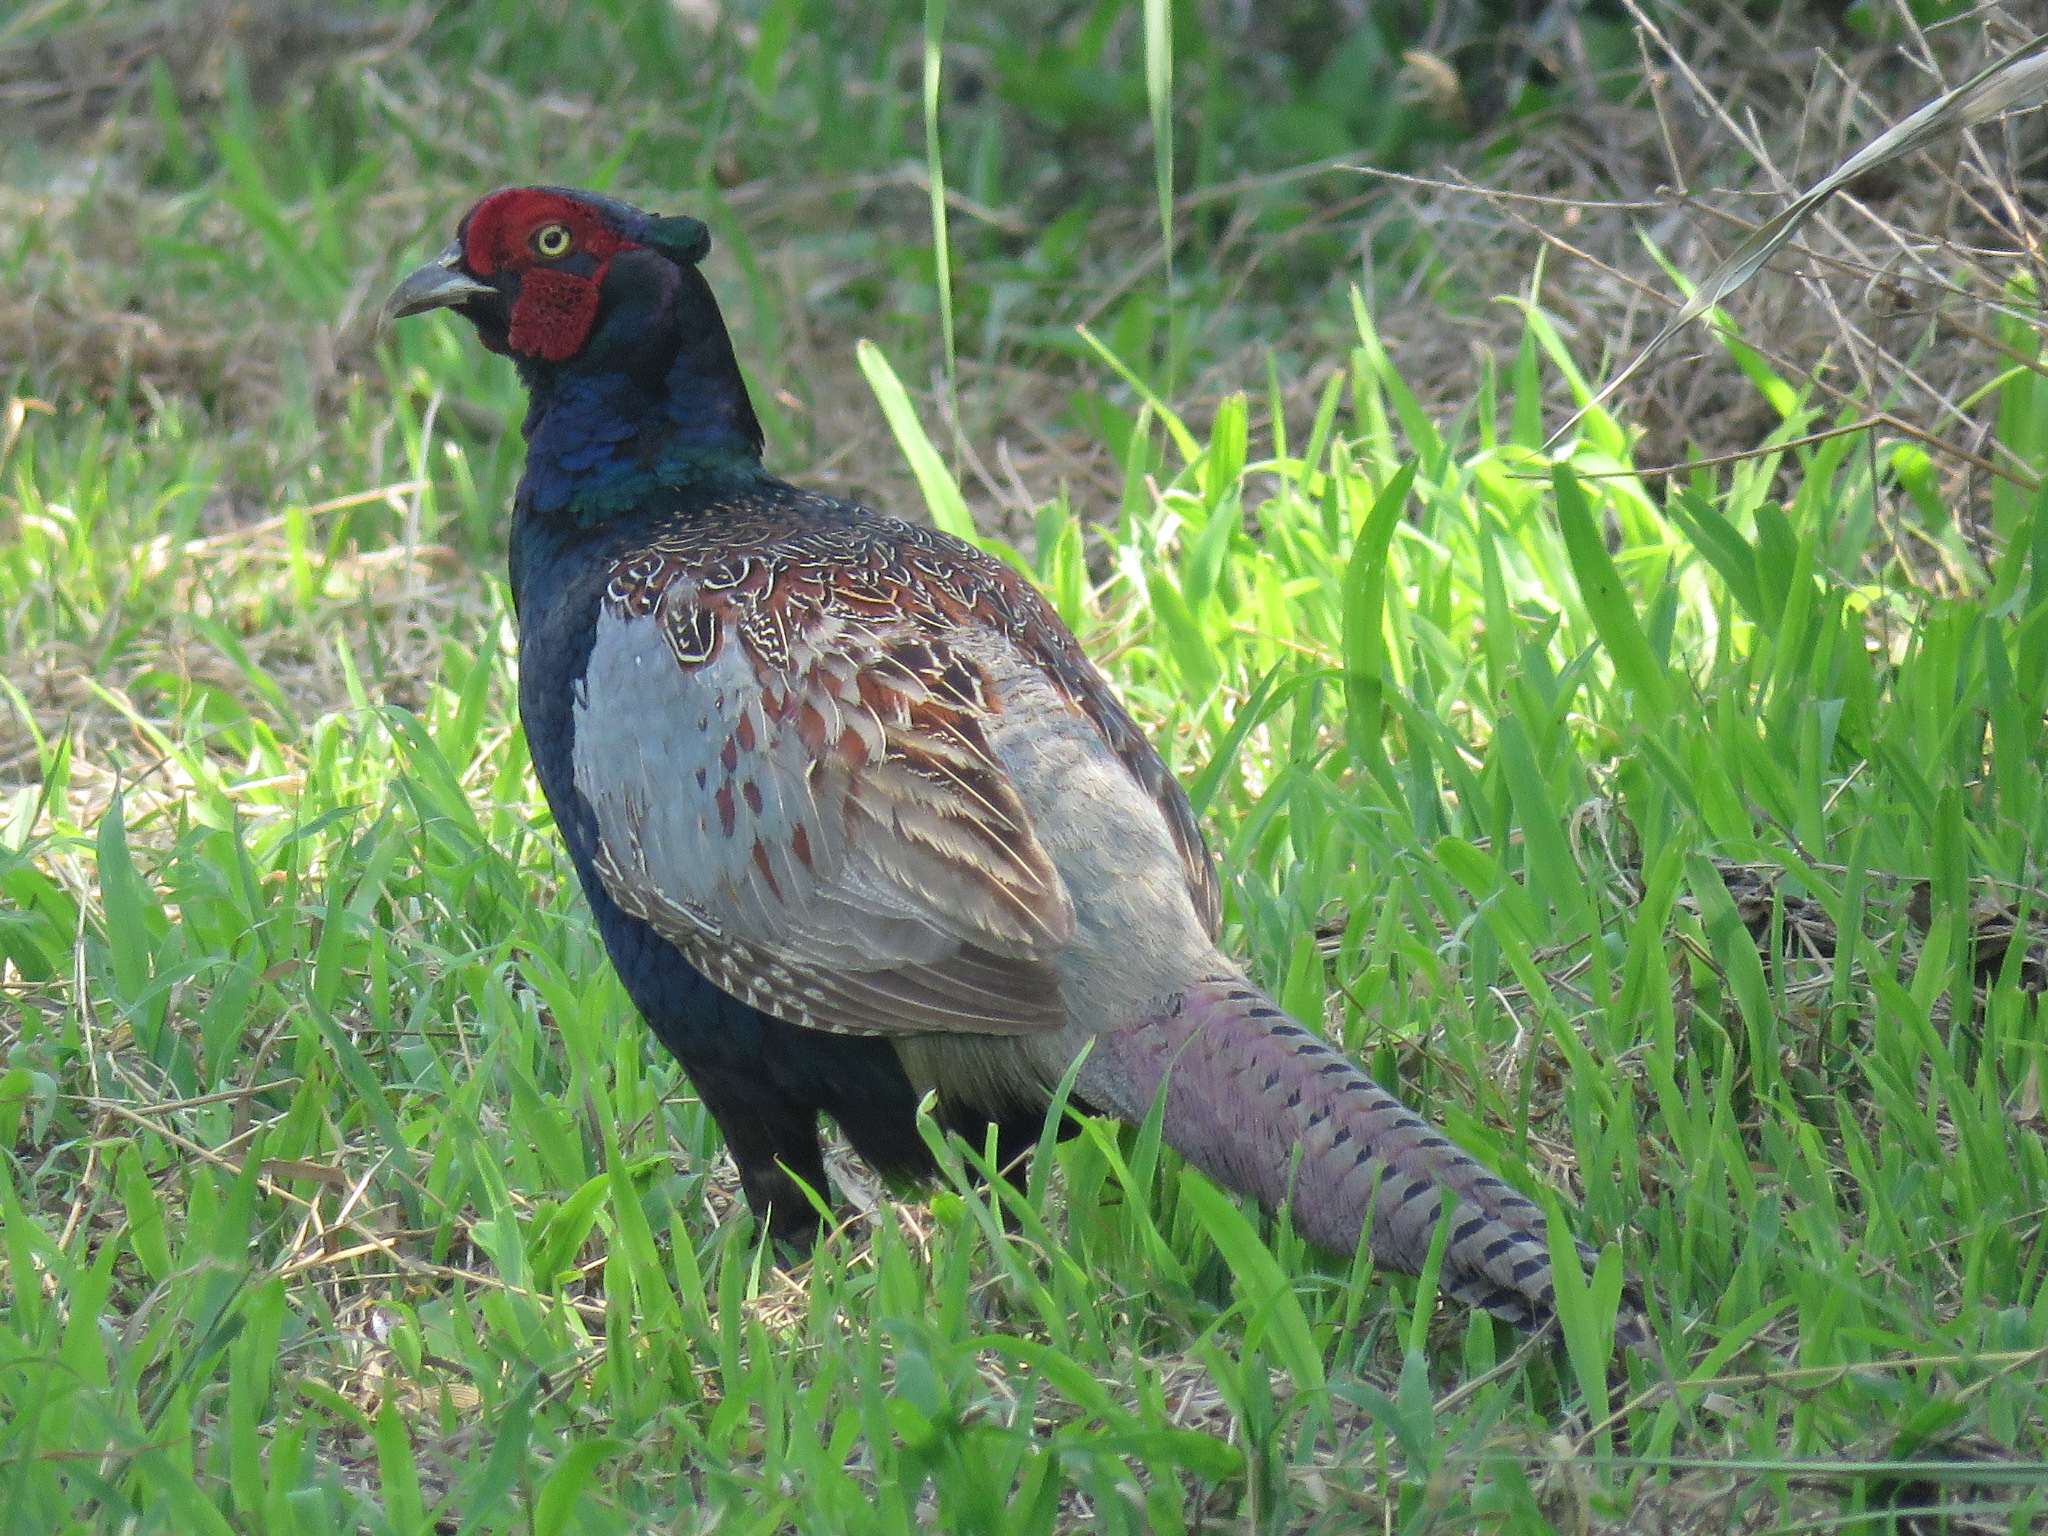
(654,400)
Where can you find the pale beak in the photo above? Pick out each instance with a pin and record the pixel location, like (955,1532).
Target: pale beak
(438,284)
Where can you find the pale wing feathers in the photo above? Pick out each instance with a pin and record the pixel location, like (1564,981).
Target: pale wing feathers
(829,839)
(1142,760)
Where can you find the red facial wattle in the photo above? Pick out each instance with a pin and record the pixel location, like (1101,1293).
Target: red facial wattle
(557,304)
(553,314)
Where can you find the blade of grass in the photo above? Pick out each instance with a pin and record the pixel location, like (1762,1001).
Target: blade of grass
(1159,98)
(935,175)
(942,496)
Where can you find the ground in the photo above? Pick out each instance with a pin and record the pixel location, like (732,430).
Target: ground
(1667,829)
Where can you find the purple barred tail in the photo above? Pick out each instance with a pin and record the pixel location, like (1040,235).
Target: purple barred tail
(1248,1085)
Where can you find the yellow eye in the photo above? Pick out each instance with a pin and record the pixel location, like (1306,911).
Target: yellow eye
(552,240)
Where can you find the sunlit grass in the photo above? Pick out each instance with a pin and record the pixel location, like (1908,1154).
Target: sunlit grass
(342,1189)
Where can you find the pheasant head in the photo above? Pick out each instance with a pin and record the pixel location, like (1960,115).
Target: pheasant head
(615,332)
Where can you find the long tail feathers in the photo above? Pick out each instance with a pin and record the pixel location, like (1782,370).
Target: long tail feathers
(1246,1085)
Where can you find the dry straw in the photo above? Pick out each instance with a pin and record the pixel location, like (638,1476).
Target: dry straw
(2016,83)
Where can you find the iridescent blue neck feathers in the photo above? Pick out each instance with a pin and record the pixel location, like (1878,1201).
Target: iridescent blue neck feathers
(654,400)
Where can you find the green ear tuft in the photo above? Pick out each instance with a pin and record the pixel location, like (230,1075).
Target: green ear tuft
(680,238)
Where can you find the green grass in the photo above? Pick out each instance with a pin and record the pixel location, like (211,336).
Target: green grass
(341,1189)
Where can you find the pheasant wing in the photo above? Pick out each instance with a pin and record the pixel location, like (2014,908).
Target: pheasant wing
(809,809)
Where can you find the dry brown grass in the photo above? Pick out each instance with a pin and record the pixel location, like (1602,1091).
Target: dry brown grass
(1890,302)
(1891,298)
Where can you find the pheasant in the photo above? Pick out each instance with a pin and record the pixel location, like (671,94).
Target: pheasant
(857,818)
